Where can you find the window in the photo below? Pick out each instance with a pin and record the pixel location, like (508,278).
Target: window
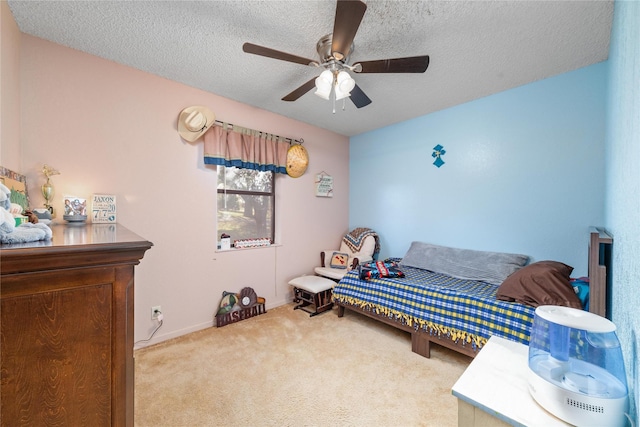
(246,200)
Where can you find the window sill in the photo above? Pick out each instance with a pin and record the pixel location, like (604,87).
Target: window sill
(274,245)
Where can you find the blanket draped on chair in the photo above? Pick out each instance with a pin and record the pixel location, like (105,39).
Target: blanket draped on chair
(355,238)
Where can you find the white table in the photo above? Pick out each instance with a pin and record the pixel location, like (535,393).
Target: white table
(493,390)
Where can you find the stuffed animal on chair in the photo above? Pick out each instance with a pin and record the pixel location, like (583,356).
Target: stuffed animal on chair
(358,246)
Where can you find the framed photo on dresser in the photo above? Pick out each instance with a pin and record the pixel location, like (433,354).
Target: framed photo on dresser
(103,209)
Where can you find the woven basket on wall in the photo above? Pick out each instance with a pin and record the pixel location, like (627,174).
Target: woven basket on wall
(297,160)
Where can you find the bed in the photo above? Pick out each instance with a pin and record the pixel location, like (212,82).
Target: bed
(454,312)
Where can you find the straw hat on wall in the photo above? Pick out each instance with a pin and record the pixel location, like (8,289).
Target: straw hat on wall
(194,121)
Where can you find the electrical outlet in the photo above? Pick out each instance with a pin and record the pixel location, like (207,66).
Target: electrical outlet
(155,311)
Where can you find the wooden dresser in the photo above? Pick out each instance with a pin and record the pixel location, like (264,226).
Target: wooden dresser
(67,327)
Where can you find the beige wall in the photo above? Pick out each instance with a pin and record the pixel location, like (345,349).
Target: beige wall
(9,90)
(112,129)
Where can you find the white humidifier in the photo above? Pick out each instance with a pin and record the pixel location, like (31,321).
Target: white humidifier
(576,367)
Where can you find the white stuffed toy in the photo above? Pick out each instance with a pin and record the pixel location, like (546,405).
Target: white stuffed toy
(26,232)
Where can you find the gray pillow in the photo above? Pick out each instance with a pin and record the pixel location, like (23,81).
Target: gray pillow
(491,267)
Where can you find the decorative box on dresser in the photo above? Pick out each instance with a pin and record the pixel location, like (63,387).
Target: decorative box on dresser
(67,328)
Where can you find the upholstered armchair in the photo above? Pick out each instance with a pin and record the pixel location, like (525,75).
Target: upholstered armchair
(357,247)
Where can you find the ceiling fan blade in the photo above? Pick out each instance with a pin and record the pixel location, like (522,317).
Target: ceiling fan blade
(359,98)
(301,90)
(413,64)
(276,54)
(349,14)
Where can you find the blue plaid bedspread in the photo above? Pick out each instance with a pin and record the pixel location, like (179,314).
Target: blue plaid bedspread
(456,308)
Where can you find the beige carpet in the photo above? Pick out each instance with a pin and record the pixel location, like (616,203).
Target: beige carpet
(284,368)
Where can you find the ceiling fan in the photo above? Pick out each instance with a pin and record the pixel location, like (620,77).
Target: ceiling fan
(334,51)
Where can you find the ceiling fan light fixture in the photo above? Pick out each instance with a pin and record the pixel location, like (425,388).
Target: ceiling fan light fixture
(344,85)
(323,93)
(325,78)
(324,82)
(340,94)
(344,82)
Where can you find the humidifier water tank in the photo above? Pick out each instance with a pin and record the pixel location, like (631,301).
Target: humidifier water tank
(576,367)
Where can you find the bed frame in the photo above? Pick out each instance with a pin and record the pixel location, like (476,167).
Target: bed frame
(599,260)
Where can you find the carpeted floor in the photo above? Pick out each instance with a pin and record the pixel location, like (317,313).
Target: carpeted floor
(284,368)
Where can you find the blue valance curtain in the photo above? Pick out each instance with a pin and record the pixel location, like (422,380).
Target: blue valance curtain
(231,145)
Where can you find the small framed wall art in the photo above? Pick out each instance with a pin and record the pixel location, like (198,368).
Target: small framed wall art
(324,185)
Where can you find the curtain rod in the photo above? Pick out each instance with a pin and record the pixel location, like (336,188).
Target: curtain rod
(291,140)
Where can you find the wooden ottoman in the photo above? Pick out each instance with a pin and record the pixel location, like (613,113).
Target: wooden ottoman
(312,291)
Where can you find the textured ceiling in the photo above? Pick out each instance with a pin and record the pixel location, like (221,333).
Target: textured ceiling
(476,48)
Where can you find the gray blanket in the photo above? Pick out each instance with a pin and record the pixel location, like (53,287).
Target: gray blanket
(491,267)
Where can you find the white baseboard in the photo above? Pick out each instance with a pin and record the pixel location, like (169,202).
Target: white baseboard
(173,334)
(194,328)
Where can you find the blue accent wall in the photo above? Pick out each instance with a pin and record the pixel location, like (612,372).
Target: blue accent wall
(523,172)
(623,185)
